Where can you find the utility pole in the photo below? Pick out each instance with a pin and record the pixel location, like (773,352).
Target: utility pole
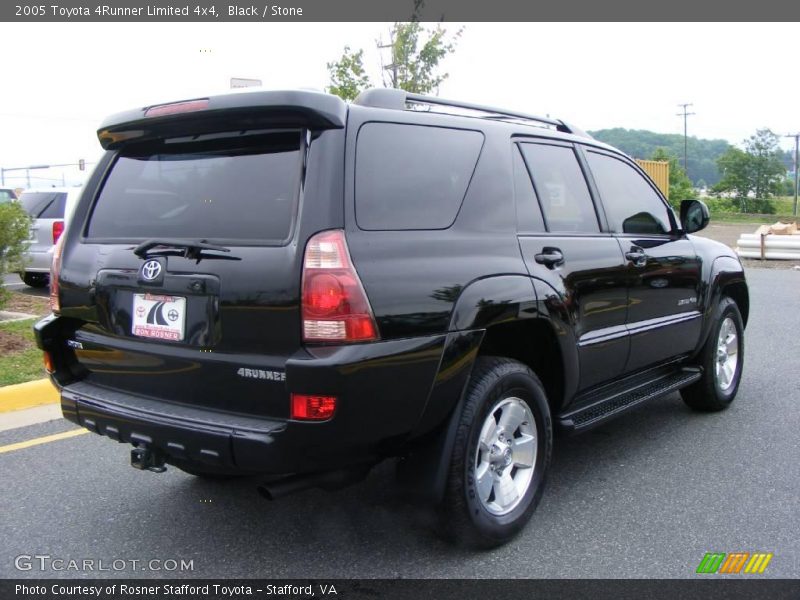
(796,137)
(390,67)
(685,114)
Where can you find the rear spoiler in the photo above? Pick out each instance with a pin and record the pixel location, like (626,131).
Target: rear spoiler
(229,112)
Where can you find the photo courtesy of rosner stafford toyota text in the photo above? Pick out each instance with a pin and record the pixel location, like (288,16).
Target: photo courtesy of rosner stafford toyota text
(400,300)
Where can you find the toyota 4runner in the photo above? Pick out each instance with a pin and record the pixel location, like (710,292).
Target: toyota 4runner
(285,285)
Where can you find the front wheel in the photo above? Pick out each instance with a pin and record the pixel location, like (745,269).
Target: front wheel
(500,456)
(722,359)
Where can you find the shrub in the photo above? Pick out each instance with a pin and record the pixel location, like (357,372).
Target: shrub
(14,228)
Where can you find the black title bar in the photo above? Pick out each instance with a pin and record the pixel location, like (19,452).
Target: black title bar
(702,588)
(394,10)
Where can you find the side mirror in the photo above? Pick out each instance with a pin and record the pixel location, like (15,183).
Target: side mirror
(694,215)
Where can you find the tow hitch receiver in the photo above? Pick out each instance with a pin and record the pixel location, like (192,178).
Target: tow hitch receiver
(145,459)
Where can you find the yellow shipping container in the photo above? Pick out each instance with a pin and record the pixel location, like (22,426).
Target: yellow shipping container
(658,171)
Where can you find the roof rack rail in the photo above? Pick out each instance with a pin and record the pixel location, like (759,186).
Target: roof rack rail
(399,100)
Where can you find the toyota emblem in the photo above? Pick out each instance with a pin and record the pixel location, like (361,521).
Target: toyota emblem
(151,270)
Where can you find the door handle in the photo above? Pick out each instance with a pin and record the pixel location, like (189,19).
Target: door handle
(549,257)
(637,256)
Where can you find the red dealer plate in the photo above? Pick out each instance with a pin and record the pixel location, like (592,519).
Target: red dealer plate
(158,316)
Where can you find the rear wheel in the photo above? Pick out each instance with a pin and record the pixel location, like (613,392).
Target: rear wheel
(35,280)
(722,359)
(500,456)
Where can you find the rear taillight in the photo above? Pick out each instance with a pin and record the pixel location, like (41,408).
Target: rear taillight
(335,306)
(313,408)
(58,229)
(55,270)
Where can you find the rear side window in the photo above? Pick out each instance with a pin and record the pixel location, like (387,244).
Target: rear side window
(236,190)
(561,188)
(44,205)
(411,176)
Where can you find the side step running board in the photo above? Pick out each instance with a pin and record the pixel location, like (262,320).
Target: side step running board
(589,416)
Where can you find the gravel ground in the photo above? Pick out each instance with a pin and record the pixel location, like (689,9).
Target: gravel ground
(728,233)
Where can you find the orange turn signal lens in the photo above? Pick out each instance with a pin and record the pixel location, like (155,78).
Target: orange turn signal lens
(48,363)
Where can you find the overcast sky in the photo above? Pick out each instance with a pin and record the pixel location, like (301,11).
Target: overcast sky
(59,80)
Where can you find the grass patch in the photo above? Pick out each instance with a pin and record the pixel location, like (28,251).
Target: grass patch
(730,217)
(20,359)
(26,303)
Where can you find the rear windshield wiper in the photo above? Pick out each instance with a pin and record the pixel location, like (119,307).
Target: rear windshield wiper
(191,249)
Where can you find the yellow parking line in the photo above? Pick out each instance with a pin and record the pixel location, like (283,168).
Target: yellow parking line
(43,440)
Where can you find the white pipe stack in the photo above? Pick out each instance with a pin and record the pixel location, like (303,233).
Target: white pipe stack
(780,247)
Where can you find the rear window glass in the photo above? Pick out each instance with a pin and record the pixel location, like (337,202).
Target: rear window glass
(6,195)
(242,189)
(44,205)
(411,176)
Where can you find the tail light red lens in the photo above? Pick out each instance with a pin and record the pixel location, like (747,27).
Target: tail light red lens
(55,271)
(335,307)
(58,229)
(313,408)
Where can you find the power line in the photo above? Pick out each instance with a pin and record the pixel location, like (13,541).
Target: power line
(685,114)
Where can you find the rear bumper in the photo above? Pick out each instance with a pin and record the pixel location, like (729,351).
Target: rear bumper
(181,432)
(382,391)
(38,261)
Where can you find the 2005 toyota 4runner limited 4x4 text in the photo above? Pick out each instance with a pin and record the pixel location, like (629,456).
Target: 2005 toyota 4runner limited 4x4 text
(285,285)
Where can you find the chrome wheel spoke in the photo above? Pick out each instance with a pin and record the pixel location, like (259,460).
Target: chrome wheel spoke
(723,376)
(524,451)
(484,481)
(488,434)
(505,492)
(512,417)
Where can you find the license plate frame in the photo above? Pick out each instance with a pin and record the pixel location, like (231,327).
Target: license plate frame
(158,316)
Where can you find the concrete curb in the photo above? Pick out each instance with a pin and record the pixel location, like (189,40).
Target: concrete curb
(7,316)
(27,395)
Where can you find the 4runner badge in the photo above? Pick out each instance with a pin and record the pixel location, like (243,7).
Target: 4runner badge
(261,374)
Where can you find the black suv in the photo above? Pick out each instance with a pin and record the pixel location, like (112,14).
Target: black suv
(285,285)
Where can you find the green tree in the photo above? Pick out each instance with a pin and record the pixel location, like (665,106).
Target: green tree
(415,53)
(348,76)
(14,229)
(755,174)
(680,186)
(768,169)
(414,56)
(703,153)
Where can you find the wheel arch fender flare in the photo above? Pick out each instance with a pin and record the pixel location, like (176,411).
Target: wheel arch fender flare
(726,276)
(480,305)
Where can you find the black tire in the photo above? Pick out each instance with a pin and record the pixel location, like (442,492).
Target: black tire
(202,471)
(35,280)
(464,517)
(712,393)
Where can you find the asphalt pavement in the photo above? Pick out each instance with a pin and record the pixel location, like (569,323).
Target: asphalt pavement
(646,495)
(11,281)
